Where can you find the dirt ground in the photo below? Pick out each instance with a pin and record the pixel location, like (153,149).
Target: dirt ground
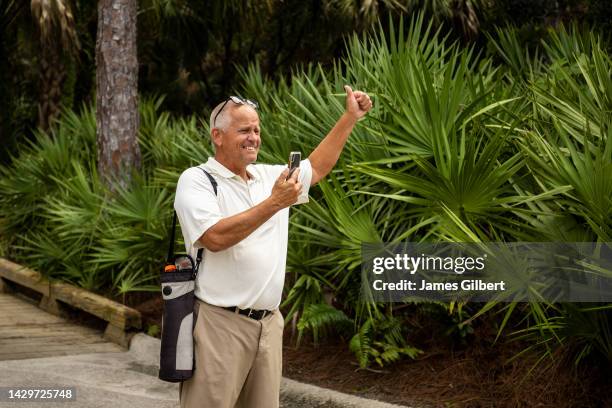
(477,375)
(474,377)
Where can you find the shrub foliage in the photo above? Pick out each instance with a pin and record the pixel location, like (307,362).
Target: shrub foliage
(513,145)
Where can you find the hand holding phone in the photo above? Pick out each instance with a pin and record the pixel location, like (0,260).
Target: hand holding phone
(294,162)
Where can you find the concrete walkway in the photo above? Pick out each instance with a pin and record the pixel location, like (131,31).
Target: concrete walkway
(107,377)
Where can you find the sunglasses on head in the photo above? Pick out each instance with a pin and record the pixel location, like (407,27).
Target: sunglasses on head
(238,101)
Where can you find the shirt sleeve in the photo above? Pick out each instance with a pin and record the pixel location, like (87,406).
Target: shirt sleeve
(305,177)
(196,205)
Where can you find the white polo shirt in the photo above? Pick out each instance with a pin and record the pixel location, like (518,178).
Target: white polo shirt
(251,273)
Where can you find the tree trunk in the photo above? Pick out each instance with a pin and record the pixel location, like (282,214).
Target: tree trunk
(117,118)
(52,75)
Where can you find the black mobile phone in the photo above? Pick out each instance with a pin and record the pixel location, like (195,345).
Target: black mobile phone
(294,162)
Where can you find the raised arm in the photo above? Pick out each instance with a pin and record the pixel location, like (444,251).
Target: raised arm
(325,156)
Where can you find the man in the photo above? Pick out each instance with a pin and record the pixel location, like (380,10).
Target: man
(243,227)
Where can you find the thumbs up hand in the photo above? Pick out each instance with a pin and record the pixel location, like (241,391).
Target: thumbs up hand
(357,103)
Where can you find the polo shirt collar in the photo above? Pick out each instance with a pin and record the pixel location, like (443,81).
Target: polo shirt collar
(224,172)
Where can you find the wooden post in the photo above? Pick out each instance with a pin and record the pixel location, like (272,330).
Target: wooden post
(117,335)
(50,305)
(5,286)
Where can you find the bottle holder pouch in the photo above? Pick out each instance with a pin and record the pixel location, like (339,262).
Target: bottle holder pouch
(176,356)
(176,362)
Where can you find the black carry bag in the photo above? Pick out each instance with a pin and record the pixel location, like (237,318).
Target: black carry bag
(176,362)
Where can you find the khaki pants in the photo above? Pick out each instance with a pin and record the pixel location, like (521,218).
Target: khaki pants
(238,360)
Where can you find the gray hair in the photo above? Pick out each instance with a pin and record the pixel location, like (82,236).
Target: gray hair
(223,119)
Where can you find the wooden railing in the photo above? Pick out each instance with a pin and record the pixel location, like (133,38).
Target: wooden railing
(122,320)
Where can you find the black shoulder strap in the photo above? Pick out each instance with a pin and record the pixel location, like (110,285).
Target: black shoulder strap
(211,178)
(201,250)
(171,247)
(172,231)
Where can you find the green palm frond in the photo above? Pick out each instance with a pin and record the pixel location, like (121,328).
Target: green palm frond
(381,341)
(321,318)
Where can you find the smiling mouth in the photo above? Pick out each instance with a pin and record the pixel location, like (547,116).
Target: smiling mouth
(249,148)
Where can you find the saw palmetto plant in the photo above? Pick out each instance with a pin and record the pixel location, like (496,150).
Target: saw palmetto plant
(510,145)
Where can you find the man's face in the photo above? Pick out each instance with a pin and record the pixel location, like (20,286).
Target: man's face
(239,142)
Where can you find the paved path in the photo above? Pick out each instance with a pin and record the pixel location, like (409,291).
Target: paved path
(40,350)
